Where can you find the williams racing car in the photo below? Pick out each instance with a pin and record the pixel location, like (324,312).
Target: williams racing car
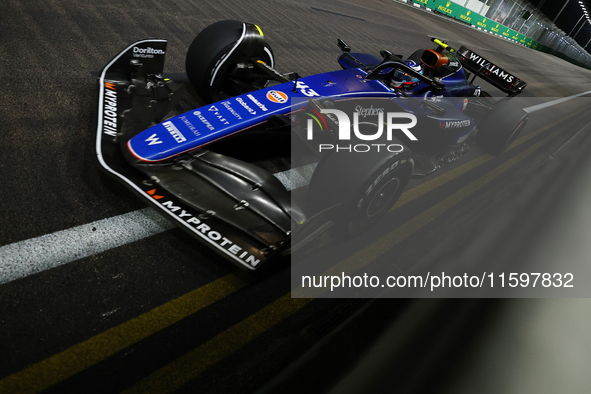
(213,170)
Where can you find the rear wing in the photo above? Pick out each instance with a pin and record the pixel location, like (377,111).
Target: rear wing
(484,69)
(490,72)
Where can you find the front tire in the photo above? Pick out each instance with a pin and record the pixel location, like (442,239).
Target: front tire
(219,62)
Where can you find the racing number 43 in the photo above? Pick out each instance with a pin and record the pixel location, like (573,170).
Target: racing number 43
(306,90)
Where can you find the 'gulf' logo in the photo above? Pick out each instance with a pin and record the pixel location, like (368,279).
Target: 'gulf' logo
(277,96)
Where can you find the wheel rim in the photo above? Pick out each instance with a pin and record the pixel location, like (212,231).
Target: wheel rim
(382,198)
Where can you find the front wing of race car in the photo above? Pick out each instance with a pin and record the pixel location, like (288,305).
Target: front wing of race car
(202,192)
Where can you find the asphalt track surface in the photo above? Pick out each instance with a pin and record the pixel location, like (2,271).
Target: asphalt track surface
(156,312)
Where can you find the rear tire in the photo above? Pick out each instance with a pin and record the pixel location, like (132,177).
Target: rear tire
(213,57)
(377,196)
(501,126)
(365,188)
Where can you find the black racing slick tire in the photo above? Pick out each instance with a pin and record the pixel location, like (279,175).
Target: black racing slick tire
(218,61)
(501,126)
(365,187)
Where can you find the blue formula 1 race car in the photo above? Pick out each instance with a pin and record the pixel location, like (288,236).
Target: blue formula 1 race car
(213,170)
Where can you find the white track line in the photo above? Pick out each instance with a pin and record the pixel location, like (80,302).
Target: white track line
(296,177)
(38,254)
(34,255)
(542,106)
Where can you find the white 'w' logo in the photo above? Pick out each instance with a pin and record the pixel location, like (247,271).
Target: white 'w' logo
(153,140)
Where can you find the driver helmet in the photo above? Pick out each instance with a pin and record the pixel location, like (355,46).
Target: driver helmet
(400,79)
